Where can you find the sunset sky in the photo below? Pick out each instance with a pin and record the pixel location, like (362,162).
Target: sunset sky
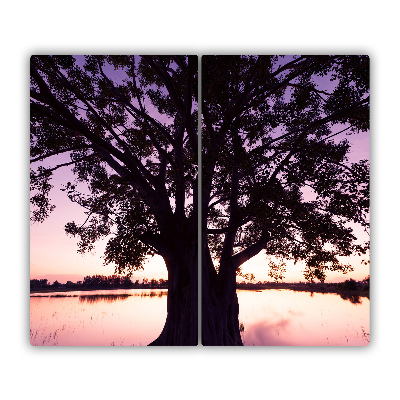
(53,254)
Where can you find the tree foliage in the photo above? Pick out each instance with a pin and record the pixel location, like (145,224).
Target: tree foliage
(127,125)
(276,170)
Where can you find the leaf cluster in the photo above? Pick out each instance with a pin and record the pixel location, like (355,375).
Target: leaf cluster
(125,125)
(274,130)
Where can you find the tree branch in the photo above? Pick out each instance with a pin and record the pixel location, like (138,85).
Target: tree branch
(101,146)
(190,128)
(159,68)
(130,160)
(314,124)
(47,170)
(230,235)
(57,152)
(218,231)
(251,251)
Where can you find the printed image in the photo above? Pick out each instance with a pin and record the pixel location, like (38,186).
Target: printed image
(285,200)
(114,188)
(277,183)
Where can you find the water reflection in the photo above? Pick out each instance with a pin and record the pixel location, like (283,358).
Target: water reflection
(123,317)
(274,317)
(152,294)
(352,298)
(109,298)
(266,333)
(93,298)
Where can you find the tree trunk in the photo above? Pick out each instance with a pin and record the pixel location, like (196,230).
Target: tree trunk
(181,325)
(220,307)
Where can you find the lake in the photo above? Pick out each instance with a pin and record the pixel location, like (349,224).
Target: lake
(282,317)
(135,317)
(98,318)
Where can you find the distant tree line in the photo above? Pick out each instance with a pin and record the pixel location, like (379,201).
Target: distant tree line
(350,285)
(107,282)
(123,282)
(40,284)
(101,282)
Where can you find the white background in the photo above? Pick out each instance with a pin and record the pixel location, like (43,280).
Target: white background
(206,27)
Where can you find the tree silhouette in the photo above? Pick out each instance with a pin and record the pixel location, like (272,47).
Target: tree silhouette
(275,171)
(128,127)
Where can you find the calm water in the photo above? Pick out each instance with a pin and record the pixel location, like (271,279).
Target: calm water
(98,318)
(287,318)
(136,317)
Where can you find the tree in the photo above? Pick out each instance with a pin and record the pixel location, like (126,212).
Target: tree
(36,284)
(275,172)
(128,127)
(276,176)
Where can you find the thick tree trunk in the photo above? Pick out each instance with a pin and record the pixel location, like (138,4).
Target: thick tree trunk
(220,307)
(181,325)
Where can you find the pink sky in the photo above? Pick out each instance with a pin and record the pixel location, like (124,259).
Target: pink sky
(53,254)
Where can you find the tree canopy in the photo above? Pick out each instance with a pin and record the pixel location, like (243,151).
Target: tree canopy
(128,126)
(276,170)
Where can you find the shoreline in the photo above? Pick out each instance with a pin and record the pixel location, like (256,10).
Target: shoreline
(362,290)
(53,290)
